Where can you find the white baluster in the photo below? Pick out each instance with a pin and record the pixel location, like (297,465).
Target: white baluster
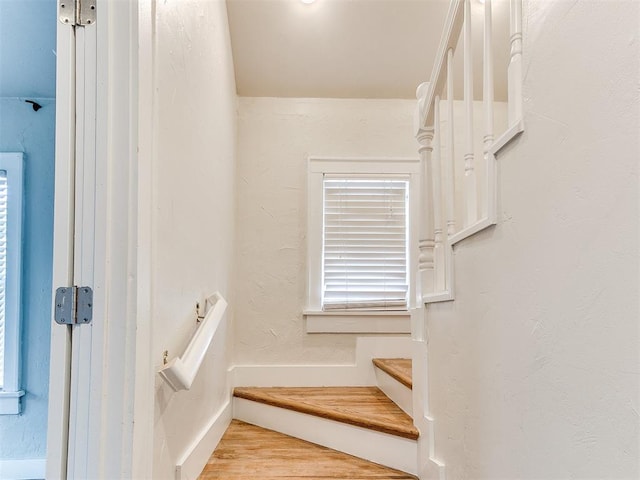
(450,183)
(515,64)
(436,182)
(488,207)
(488,77)
(470,187)
(426,242)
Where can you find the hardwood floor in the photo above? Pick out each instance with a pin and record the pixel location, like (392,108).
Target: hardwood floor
(365,407)
(247,452)
(398,368)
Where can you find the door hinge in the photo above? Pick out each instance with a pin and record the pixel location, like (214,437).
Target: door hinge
(77,12)
(74,305)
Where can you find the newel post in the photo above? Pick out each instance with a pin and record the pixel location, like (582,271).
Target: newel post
(424,135)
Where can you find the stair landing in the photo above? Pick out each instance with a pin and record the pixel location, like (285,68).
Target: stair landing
(398,368)
(247,452)
(365,407)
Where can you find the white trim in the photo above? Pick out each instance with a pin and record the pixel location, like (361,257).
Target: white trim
(63,221)
(470,230)
(302,376)
(382,448)
(10,402)
(341,163)
(317,166)
(438,297)
(12,163)
(360,373)
(504,139)
(196,455)
(88,200)
(143,404)
(103,373)
(29,469)
(428,465)
(358,322)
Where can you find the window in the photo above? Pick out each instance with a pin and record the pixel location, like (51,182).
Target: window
(10,265)
(365,243)
(362,244)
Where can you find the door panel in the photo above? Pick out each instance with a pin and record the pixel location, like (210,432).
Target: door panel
(96,233)
(82,396)
(64,200)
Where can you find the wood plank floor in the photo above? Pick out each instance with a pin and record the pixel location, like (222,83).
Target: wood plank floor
(365,407)
(398,368)
(247,452)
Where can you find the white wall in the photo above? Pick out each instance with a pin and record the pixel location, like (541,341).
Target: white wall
(533,369)
(275,137)
(193,201)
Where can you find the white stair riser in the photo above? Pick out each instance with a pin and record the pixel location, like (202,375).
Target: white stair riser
(384,449)
(396,391)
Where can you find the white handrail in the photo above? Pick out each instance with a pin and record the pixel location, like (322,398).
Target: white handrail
(180,371)
(439,230)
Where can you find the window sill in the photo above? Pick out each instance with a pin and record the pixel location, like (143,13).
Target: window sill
(10,402)
(358,322)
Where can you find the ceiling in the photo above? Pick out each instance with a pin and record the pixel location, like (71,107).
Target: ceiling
(350,48)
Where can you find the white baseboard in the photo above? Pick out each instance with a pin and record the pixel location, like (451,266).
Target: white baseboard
(30,469)
(389,450)
(299,376)
(360,373)
(433,470)
(360,322)
(195,457)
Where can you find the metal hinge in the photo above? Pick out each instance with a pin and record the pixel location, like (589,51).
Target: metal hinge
(77,12)
(74,305)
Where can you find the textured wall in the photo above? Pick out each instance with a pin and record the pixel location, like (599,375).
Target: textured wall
(23,130)
(534,368)
(27,59)
(275,136)
(27,48)
(193,194)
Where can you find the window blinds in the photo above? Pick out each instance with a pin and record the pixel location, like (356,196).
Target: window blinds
(3,265)
(365,243)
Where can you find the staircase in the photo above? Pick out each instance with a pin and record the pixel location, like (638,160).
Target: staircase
(320,430)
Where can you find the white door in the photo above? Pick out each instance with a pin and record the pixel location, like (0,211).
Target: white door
(73,231)
(91,383)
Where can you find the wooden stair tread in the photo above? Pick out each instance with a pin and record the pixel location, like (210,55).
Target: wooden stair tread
(398,368)
(365,407)
(247,452)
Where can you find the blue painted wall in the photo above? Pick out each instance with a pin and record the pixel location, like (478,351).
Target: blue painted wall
(27,71)
(27,48)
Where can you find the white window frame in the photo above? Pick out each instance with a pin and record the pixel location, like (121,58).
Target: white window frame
(380,321)
(10,392)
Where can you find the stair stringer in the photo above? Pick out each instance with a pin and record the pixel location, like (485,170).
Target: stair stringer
(399,394)
(429,467)
(382,448)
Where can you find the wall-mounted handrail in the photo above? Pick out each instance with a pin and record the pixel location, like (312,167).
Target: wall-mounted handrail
(180,371)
